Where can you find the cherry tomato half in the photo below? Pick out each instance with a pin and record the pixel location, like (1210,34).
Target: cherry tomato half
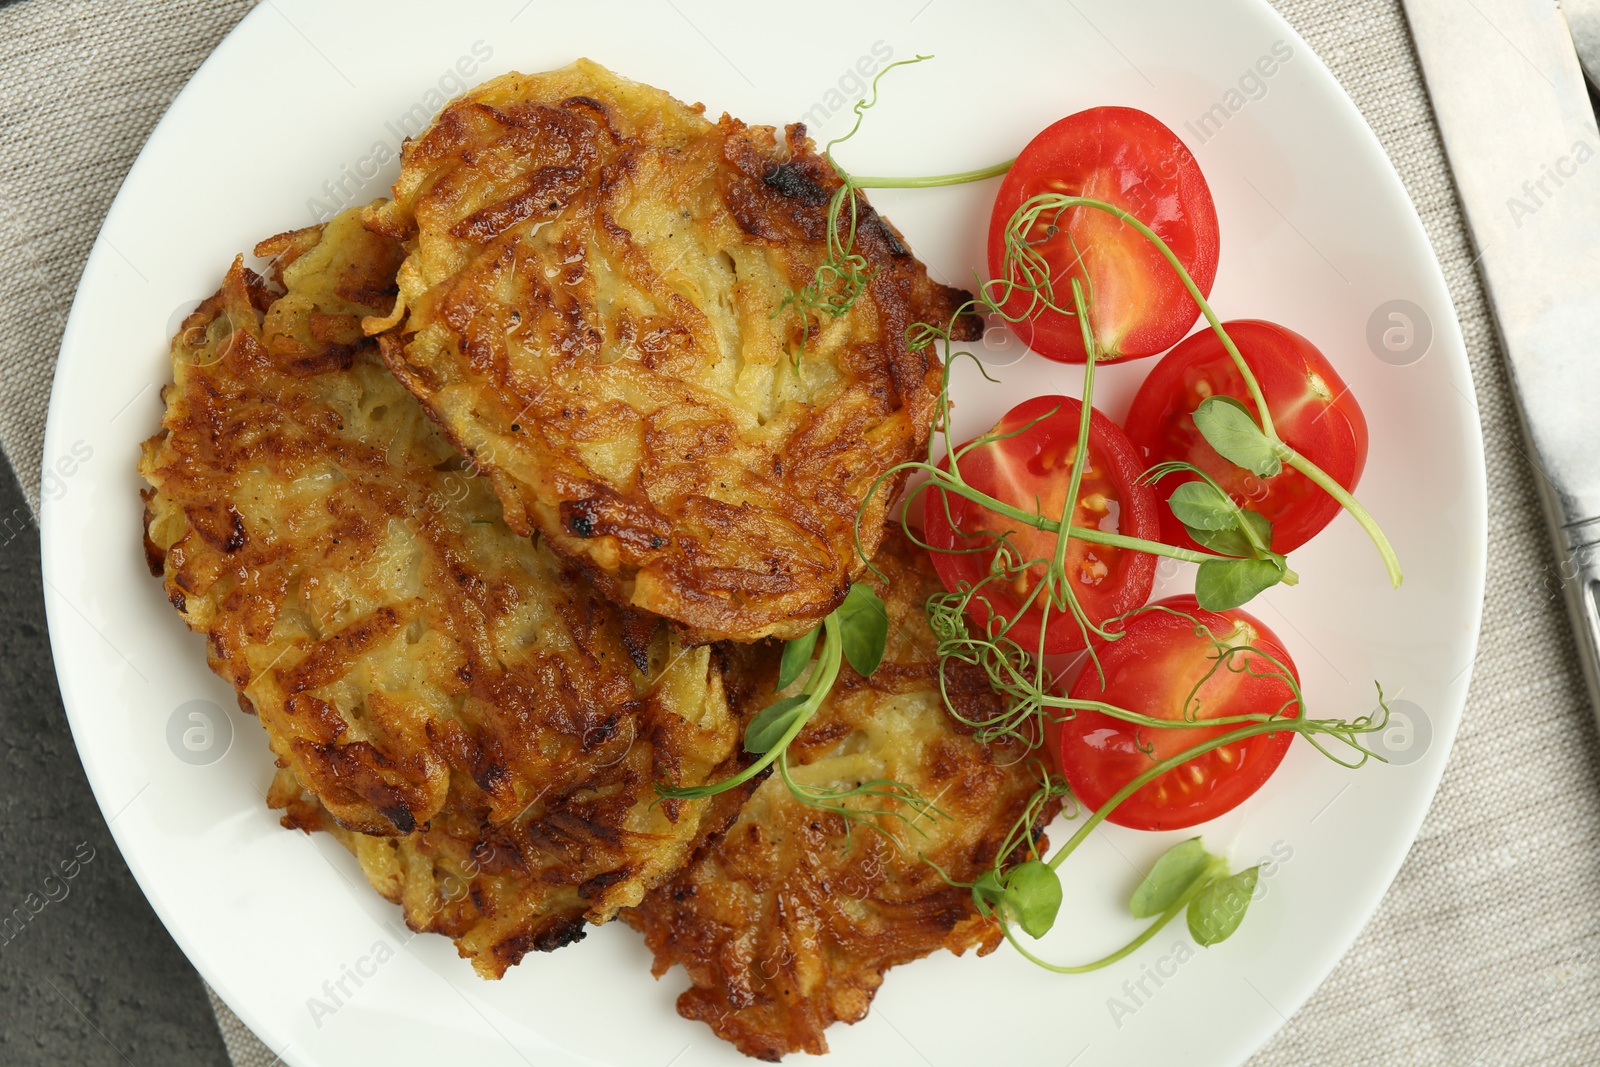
(1312,410)
(1137,303)
(1030,470)
(1151,669)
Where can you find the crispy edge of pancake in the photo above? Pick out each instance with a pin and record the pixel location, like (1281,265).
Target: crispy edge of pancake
(785,923)
(773,553)
(467,885)
(267,386)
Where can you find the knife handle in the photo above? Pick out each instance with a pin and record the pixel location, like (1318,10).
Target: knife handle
(1580,543)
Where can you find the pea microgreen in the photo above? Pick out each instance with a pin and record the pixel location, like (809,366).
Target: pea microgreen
(1201,505)
(863,629)
(1218,909)
(1236,564)
(842,277)
(771,723)
(1223,584)
(1215,521)
(838,282)
(1228,427)
(764,732)
(856,631)
(1178,868)
(1186,880)
(1032,897)
(797,657)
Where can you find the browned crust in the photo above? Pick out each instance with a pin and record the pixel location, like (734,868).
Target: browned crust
(612,424)
(463,710)
(784,926)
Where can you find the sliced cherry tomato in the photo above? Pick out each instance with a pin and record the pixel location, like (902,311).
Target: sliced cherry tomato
(1137,303)
(1312,410)
(1031,470)
(1152,669)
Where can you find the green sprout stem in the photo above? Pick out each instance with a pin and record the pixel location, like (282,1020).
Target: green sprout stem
(1137,719)
(1012,671)
(1080,460)
(895,797)
(933,181)
(817,688)
(942,480)
(1321,477)
(1058,203)
(1213,869)
(1243,733)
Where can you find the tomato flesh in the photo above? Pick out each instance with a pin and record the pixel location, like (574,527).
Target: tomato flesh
(1312,409)
(1138,305)
(1152,669)
(1030,470)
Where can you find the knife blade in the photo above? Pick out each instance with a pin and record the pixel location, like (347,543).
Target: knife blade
(1515,117)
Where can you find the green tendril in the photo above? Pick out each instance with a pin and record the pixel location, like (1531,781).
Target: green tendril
(1026,830)
(1346,731)
(1178,907)
(856,632)
(862,106)
(896,800)
(844,274)
(1036,282)
(974,624)
(838,282)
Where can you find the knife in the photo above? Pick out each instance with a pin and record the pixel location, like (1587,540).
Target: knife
(1583,19)
(1517,124)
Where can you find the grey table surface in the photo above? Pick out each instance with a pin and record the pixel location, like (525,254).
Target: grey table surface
(1485,951)
(92,978)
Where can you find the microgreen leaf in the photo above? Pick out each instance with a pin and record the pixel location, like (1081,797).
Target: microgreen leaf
(1174,873)
(796,655)
(1228,542)
(1203,506)
(1255,526)
(1249,539)
(1221,584)
(863,629)
(1219,908)
(1033,897)
(1021,290)
(1228,427)
(771,723)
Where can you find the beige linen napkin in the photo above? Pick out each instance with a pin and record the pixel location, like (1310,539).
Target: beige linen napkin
(1486,950)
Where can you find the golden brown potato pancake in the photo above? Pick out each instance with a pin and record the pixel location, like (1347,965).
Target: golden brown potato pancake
(484,728)
(592,308)
(786,924)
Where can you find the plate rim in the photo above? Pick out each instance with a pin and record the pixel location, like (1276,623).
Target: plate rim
(214,972)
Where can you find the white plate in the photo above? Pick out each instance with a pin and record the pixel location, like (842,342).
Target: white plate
(1317,234)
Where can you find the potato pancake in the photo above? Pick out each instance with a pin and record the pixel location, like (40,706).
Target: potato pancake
(787,923)
(484,728)
(593,306)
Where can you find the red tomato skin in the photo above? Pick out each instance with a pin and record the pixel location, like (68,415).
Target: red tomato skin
(1149,670)
(1137,517)
(1332,433)
(1129,159)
